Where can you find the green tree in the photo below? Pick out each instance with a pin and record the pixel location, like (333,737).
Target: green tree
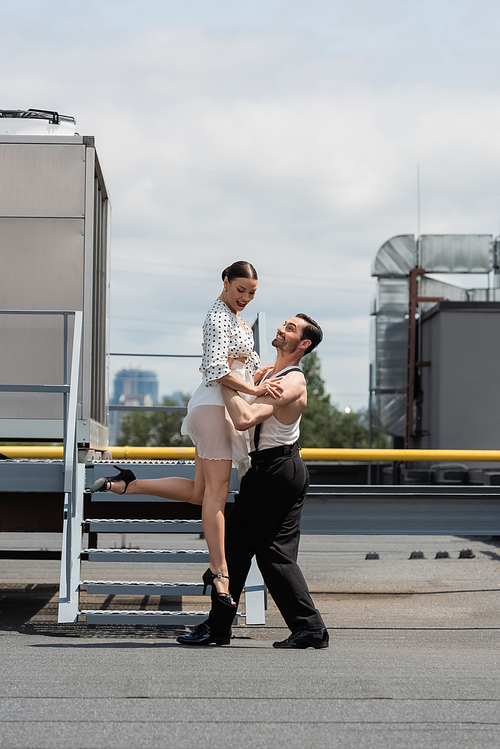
(315,427)
(154,428)
(323,424)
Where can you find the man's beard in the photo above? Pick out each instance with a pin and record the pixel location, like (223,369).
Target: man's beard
(284,347)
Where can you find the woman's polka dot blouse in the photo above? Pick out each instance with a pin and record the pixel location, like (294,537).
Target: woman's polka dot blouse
(223,338)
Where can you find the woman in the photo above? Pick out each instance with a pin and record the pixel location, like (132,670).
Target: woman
(228,358)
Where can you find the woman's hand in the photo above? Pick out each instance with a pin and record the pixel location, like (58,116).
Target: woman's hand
(260,372)
(269,387)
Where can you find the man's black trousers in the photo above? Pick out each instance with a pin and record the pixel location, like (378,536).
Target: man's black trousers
(265,522)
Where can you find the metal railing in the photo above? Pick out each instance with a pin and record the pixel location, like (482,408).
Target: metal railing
(70,394)
(74,484)
(73,478)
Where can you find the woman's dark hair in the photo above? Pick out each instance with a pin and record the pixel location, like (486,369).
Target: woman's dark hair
(311,331)
(240,269)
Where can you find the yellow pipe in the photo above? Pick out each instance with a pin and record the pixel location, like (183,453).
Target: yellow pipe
(152,453)
(308,453)
(373,454)
(44,453)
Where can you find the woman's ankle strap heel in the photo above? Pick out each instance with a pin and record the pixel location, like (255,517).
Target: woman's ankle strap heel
(104,484)
(225,598)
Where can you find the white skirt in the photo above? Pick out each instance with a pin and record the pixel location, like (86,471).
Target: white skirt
(208,425)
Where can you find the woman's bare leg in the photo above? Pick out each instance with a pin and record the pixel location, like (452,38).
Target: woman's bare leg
(174,487)
(209,488)
(217,474)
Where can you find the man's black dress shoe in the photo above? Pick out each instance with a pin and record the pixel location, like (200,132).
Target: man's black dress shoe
(306,638)
(201,635)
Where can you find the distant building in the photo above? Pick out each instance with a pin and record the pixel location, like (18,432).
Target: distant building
(177,396)
(134,382)
(131,387)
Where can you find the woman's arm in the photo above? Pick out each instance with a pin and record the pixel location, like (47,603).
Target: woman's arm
(215,364)
(245,415)
(269,387)
(260,373)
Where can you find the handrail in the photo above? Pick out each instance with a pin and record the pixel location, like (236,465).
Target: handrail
(70,449)
(332,454)
(69,390)
(34,388)
(165,409)
(73,492)
(70,463)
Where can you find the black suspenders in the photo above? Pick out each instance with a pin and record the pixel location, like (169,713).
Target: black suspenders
(256,436)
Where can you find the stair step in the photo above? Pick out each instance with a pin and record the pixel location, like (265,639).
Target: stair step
(108,497)
(127,587)
(147,555)
(130,525)
(99,616)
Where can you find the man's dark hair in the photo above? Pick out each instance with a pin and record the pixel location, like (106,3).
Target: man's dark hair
(311,331)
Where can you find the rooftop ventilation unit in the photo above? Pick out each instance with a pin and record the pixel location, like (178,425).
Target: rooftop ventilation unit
(54,255)
(399,260)
(35,122)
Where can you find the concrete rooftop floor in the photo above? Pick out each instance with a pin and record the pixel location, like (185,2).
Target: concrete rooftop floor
(413,660)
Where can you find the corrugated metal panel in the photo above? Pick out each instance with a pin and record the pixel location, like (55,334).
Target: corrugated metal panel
(100,359)
(388,348)
(392,409)
(392,334)
(484,295)
(480,295)
(456,253)
(392,295)
(449,292)
(396,257)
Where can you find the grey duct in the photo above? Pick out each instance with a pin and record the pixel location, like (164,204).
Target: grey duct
(447,253)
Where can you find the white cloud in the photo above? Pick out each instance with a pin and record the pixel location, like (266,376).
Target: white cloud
(289,142)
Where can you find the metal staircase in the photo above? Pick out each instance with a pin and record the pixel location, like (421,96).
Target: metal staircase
(158,525)
(97,526)
(150,515)
(163,523)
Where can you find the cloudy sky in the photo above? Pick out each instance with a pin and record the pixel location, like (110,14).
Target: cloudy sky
(283,132)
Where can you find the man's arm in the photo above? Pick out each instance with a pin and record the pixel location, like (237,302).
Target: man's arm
(245,415)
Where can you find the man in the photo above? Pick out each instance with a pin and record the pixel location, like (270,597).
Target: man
(265,518)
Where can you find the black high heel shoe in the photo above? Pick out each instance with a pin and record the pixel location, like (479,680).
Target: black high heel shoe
(104,484)
(225,598)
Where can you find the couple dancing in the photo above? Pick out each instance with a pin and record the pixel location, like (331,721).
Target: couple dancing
(246,415)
